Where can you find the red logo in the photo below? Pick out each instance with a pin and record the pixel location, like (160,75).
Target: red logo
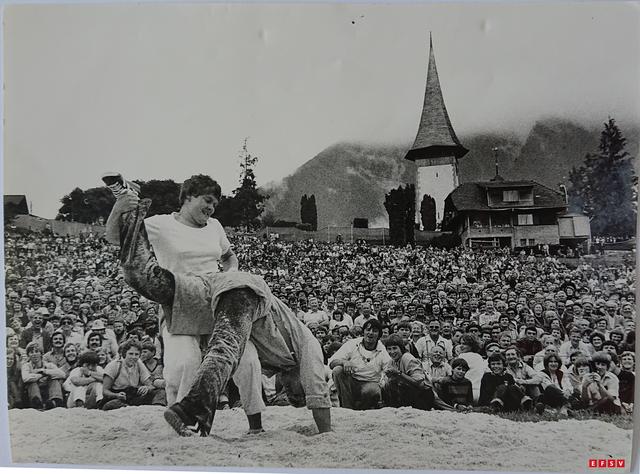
(606,463)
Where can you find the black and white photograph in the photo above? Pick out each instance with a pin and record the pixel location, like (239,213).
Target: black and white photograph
(320,236)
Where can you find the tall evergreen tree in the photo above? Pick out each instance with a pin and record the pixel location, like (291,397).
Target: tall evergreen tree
(309,211)
(428,212)
(603,186)
(248,200)
(400,205)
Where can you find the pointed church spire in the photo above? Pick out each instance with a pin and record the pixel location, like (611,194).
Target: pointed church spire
(435,137)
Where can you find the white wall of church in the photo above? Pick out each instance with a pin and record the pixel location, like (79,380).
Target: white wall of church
(437,181)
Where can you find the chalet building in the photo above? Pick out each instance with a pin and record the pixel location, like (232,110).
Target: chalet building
(15,204)
(501,213)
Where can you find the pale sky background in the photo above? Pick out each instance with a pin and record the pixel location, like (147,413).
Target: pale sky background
(165,91)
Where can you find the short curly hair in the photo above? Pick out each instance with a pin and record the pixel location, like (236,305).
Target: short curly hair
(198,185)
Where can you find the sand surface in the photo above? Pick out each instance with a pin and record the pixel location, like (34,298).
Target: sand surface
(401,438)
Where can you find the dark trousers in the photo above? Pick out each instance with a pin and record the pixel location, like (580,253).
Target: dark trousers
(553,397)
(402,395)
(133,399)
(355,394)
(511,397)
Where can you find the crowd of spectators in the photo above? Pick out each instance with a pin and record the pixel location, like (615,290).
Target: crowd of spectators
(455,329)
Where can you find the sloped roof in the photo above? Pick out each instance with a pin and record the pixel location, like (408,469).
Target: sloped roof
(472,196)
(435,136)
(15,199)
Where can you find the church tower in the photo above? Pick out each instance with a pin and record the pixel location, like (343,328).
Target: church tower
(436,149)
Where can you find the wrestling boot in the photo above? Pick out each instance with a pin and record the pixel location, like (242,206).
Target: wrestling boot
(185,424)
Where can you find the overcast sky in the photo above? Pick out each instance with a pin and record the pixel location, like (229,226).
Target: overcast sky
(166,91)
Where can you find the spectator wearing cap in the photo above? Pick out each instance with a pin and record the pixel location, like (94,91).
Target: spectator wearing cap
(84,382)
(108,338)
(42,380)
(357,368)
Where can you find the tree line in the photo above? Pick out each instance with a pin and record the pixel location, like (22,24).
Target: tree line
(604,187)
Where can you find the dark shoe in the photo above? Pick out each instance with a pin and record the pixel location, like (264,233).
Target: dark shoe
(57,402)
(255,431)
(79,403)
(36,403)
(527,404)
(539,408)
(223,406)
(185,424)
(496,405)
(113,405)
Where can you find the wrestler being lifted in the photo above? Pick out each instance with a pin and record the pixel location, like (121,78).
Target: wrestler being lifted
(240,313)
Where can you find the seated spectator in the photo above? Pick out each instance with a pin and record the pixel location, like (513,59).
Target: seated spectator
(556,386)
(455,389)
(530,345)
(436,366)
(42,380)
(126,380)
(70,352)
(523,375)
(339,318)
(84,383)
(468,350)
(600,388)
(14,379)
(596,339)
(103,357)
(357,368)
(404,381)
(155,368)
(498,389)
(56,355)
(35,332)
(574,343)
(13,342)
(627,378)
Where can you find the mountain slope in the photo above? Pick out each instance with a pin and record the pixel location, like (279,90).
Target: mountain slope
(350,180)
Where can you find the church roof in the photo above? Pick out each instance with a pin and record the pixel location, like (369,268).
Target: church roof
(435,137)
